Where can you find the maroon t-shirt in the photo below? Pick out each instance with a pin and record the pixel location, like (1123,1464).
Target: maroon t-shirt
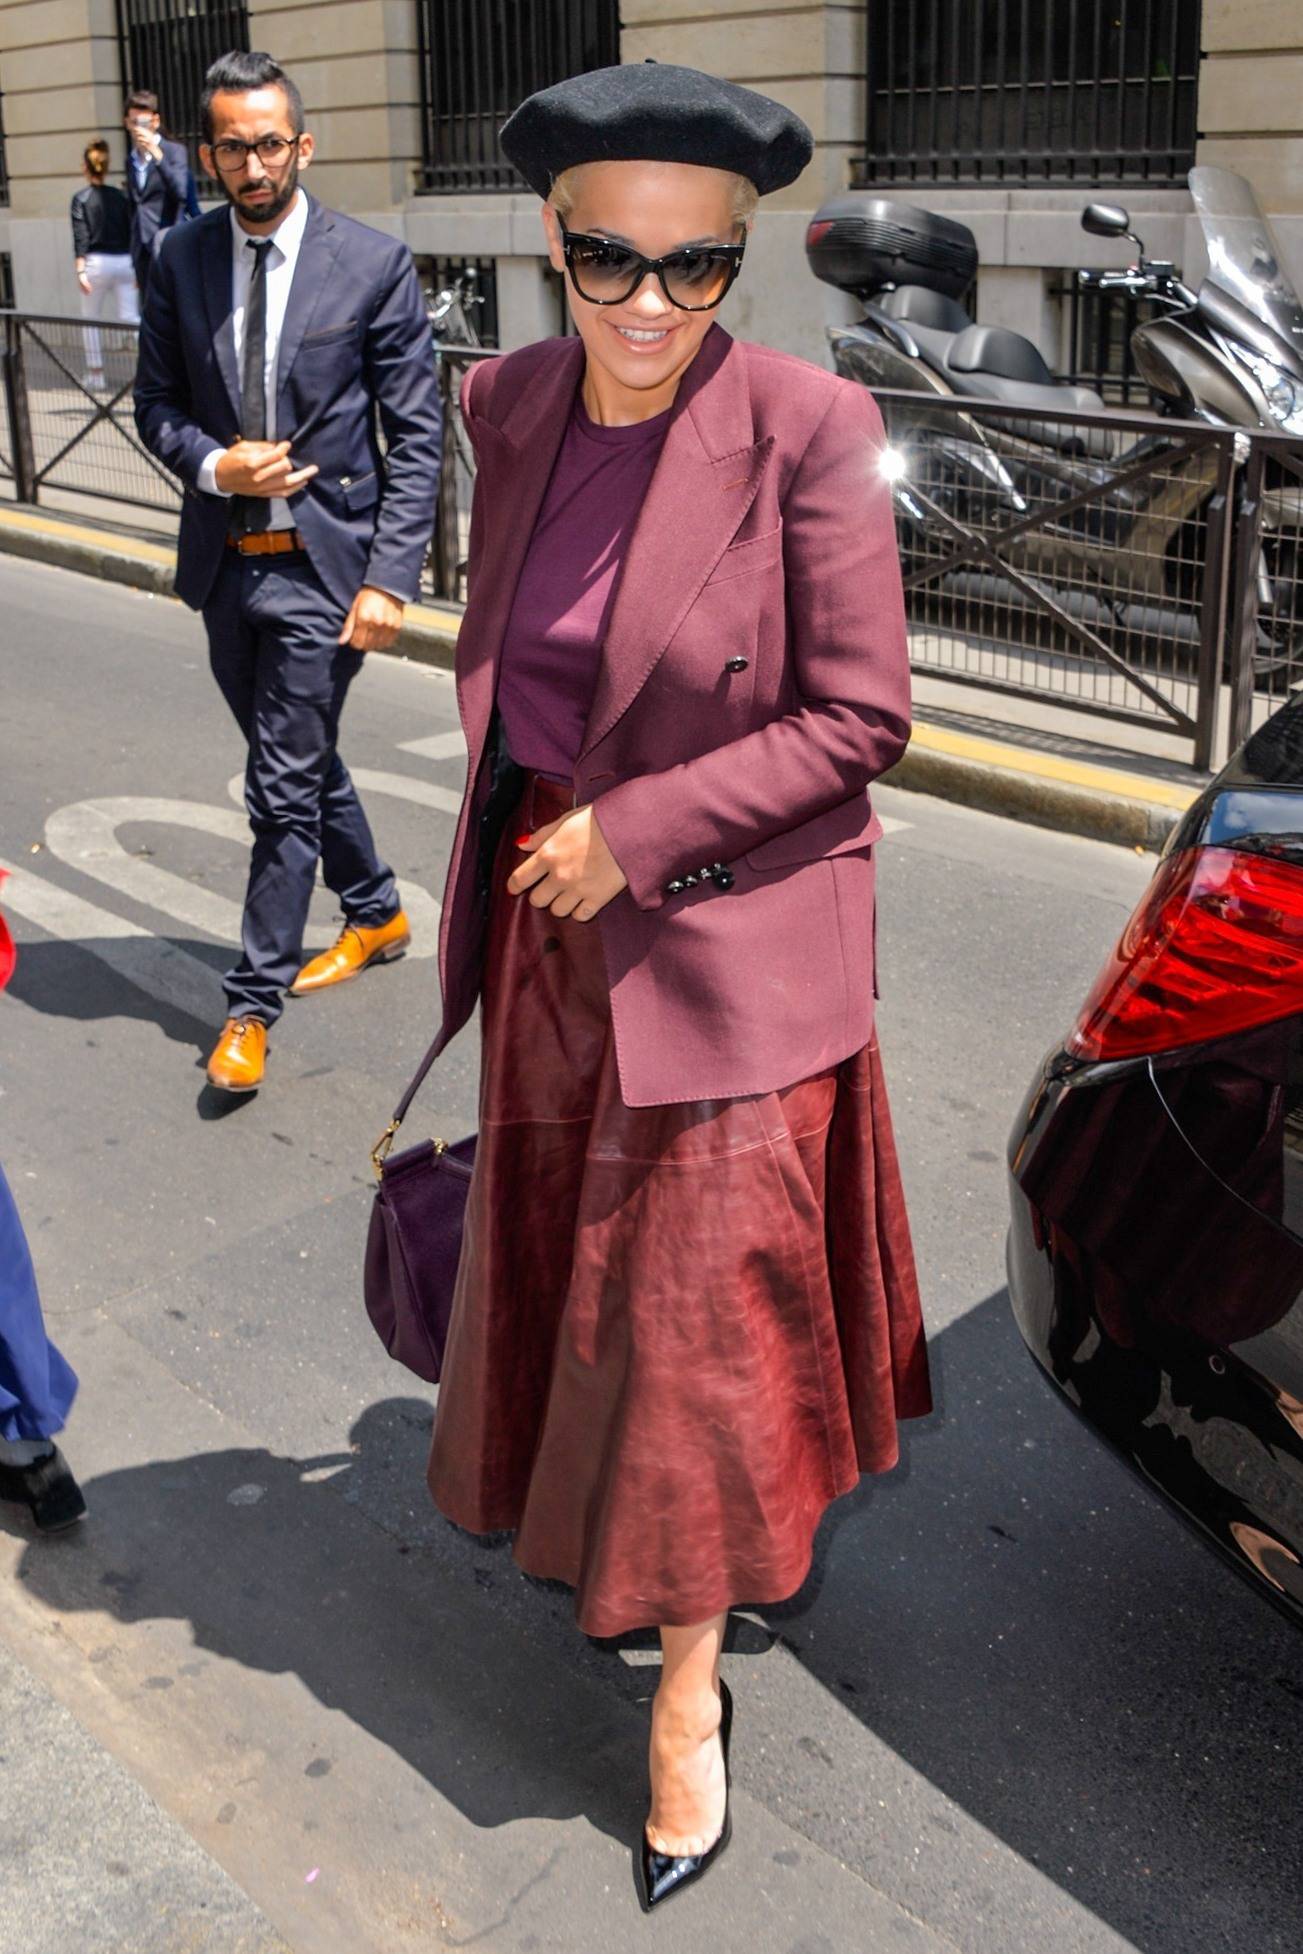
(553,644)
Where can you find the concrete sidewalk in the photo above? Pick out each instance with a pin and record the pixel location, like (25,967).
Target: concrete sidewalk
(88,1861)
(1058,783)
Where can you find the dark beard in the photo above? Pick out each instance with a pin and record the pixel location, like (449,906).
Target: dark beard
(268,213)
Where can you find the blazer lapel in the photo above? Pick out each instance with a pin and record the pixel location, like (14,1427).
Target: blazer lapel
(312,270)
(217,302)
(705,480)
(515,461)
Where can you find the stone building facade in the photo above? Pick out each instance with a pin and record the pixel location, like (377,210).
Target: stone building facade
(360,64)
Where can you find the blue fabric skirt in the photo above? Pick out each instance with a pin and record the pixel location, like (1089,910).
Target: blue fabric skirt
(37,1386)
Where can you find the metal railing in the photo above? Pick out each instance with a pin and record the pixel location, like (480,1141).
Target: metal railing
(479,58)
(456,478)
(68,413)
(1066,91)
(1140,569)
(168,46)
(1145,571)
(67,430)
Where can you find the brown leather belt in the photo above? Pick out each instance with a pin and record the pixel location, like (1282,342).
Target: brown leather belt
(267,542)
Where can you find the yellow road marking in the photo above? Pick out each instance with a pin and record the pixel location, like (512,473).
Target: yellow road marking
(77,532)
(1050,766)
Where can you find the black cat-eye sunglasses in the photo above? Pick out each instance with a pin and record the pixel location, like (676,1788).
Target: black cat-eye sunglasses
(694,279)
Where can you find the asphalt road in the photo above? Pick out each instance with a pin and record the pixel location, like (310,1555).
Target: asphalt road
(1015,1706)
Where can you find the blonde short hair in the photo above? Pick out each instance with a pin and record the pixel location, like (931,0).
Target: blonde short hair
(565,189)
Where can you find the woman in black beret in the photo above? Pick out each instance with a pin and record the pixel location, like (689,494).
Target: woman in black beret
(686,1315)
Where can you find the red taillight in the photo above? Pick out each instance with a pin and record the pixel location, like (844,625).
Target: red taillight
(1216,946)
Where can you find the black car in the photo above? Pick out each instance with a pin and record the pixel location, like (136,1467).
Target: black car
(1156,1245)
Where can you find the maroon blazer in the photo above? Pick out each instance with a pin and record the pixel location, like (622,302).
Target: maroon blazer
(766,537)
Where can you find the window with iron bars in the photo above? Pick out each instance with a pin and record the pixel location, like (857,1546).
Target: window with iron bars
(479,58)
(1097,329)
(1030,91)
(168,46)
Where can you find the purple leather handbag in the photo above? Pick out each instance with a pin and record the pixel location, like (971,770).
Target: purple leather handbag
(413,1243)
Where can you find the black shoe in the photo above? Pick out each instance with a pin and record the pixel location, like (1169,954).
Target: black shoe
(661,1873)
(48,1488)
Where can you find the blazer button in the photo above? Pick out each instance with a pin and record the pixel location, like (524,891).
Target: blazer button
(723,878)
(736,664)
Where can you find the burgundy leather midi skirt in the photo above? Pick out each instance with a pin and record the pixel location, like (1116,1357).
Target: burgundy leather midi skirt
(679,1331)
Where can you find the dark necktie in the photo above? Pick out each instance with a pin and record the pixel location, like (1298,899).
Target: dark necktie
(255,511)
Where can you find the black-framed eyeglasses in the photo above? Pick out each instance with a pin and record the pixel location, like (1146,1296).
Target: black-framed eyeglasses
(694,279)
(231,155)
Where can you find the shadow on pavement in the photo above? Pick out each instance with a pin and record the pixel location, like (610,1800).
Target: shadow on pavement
(1009,1614)
(273,1568)
(74,980)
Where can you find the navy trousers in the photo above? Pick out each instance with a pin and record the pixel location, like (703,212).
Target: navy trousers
(272,632)
(37,1386)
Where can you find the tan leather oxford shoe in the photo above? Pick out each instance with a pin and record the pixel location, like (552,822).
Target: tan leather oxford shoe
(354,949)
(240,1056)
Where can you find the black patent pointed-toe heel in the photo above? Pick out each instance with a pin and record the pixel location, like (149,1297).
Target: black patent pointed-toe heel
(662,1873)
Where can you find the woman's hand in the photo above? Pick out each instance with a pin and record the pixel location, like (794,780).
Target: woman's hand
(570,870)
(83,281)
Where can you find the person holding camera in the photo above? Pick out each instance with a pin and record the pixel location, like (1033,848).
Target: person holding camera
(160,186)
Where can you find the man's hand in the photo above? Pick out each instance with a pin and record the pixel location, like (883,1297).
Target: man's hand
(260,468)
(570,870)
(147,140)
(373,620)
(83,281)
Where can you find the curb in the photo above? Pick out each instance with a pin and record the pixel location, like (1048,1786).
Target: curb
(1099,803)
(1022,783)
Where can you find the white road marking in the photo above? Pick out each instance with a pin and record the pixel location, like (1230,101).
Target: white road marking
(170,975)
(84,835)
(437,746)
(370,780)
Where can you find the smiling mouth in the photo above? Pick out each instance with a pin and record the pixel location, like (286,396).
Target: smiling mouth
(644,335)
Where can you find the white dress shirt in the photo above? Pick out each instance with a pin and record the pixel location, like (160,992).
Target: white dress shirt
(281,260)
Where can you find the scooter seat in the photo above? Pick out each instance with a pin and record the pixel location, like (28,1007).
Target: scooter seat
(994,349)
(934,345)
(916,305)
(1068,436)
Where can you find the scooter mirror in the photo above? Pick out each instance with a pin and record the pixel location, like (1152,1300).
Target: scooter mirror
(1105,220)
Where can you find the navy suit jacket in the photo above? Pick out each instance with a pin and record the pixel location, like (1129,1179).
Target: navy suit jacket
(166,196)
(355,345)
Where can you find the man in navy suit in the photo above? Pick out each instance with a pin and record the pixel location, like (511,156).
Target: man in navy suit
(274,333)
(160,186)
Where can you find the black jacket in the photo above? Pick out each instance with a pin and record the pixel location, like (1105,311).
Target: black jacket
(101,220)
(166,196)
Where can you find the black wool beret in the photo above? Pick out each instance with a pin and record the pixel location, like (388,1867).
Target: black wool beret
(654,112)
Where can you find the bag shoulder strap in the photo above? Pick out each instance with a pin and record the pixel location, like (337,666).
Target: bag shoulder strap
(380,1150)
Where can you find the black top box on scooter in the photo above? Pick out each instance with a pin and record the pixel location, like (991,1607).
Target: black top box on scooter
(862,243)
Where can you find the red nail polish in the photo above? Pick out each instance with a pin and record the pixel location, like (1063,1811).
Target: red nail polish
(522,841)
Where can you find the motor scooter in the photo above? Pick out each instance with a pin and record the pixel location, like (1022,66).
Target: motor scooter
(1125,558)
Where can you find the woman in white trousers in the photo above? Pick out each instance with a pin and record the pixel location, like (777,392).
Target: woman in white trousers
(101,242)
